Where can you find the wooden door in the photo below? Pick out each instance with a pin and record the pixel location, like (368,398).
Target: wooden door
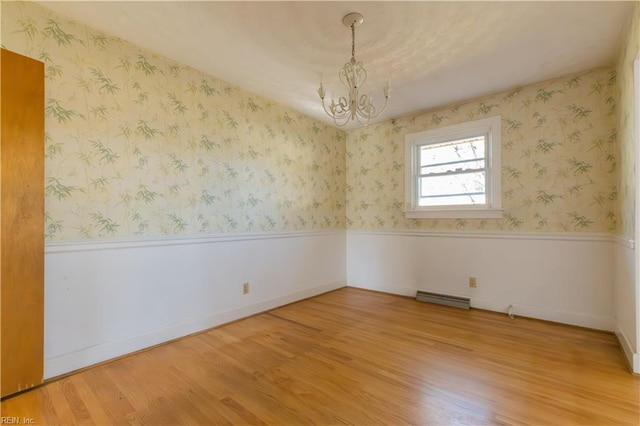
(21,222)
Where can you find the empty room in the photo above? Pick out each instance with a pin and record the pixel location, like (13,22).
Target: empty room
(336,212)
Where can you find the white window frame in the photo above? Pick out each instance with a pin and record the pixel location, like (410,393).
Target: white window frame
(492,127)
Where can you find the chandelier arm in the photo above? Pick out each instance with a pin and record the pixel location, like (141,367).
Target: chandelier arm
(345,74)
(342,115)
(344,123)
(332,110)
(324,106)
(363,124)
(360,118)
(361,73)
(365,106)
(382,109)
(342,108)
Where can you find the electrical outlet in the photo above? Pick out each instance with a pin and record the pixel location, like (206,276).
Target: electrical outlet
(245,288)
(472,282)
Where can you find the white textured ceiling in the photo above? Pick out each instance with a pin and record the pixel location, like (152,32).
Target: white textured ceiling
(436,53)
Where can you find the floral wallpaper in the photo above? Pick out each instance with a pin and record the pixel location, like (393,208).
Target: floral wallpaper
(140,145)
(628,53)
(559,164)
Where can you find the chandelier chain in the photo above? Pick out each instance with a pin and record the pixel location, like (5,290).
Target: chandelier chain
(353,41)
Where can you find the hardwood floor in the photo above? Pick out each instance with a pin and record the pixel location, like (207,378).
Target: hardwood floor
(355,357)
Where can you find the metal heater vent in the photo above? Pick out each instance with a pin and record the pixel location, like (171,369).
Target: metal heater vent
(444,299)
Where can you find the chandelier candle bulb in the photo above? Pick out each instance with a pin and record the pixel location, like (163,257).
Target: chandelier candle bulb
(353,75)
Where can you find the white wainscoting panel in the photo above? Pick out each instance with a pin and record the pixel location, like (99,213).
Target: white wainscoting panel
(109,298)
(626,303)
(557,277)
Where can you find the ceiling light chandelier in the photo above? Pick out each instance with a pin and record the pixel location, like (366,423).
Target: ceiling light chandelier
(355,106)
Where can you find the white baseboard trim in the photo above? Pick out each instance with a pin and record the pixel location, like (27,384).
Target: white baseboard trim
(400,291)
(571,318)
(495,305)
(633,358)
(66,363)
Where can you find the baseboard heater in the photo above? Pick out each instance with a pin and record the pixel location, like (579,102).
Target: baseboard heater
(444,299)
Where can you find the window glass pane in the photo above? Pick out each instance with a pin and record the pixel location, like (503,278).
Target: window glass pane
(459,154)
(457,184)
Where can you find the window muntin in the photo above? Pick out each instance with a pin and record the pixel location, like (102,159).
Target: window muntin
(454,171)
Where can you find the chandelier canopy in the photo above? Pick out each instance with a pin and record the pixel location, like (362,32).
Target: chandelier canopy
(356,105)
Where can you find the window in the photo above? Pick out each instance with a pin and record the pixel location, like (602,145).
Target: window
(454,171)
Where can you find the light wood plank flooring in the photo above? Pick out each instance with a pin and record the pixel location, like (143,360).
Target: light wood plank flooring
(355,357)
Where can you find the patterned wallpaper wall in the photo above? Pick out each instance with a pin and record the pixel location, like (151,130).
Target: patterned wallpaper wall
(630,49)
(558,160)
(137,144)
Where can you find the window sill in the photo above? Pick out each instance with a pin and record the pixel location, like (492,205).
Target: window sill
(454,214)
